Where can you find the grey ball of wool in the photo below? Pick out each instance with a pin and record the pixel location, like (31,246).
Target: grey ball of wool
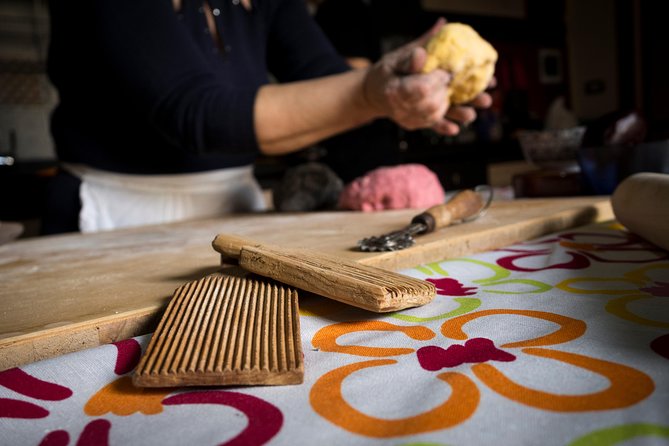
(307,187)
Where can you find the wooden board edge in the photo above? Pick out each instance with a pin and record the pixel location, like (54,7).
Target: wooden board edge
(291,376)
(20,350)
(481,241)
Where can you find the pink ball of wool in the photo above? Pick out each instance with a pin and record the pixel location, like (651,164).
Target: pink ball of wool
(408,186)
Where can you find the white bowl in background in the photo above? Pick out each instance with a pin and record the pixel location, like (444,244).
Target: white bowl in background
(552,149)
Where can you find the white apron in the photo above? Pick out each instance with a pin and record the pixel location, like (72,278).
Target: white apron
(114,200)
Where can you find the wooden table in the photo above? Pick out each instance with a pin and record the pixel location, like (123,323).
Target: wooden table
(65,293)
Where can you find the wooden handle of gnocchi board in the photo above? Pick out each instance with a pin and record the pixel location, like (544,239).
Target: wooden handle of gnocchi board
(359,285)
(641,204)
(230,246)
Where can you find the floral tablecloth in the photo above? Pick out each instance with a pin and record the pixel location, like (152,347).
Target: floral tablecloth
(562,340)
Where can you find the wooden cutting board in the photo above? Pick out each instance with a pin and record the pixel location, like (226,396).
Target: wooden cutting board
(64,293)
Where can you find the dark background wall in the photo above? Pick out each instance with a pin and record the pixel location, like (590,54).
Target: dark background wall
(601,56)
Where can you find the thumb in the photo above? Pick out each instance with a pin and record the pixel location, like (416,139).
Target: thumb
(416,50)
(422,40)
(414,62)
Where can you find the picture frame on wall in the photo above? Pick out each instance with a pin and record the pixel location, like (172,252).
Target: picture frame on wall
(551,69)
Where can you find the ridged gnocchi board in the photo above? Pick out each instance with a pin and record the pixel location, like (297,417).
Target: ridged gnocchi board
(225,330)
(69,292)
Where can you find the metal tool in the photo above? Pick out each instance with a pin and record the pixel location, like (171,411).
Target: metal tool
(465,206)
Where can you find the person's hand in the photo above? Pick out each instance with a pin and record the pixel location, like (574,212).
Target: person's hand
(463,115)
(397,89)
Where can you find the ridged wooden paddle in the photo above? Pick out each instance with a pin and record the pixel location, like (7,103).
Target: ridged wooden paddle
(225,330)
(363,286)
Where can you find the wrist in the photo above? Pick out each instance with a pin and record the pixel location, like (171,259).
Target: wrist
(367,100)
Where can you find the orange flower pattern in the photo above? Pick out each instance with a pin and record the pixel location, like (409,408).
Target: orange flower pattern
(627,386)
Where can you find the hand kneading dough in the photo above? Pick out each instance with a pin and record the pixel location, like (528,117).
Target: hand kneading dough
(461,51)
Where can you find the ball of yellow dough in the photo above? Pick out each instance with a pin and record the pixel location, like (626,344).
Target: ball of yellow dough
(458,49)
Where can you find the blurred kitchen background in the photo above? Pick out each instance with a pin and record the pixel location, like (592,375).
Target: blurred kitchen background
(597,64)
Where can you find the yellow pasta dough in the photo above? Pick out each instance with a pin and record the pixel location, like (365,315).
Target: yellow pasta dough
(460,50)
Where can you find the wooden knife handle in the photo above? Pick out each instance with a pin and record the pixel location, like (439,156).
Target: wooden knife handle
(463,205)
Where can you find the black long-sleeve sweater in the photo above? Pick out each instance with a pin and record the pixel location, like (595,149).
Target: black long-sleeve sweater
(145,89)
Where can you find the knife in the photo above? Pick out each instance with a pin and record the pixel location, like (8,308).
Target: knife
(464,206)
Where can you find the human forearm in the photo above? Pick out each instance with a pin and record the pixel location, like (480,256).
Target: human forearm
(292,116)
